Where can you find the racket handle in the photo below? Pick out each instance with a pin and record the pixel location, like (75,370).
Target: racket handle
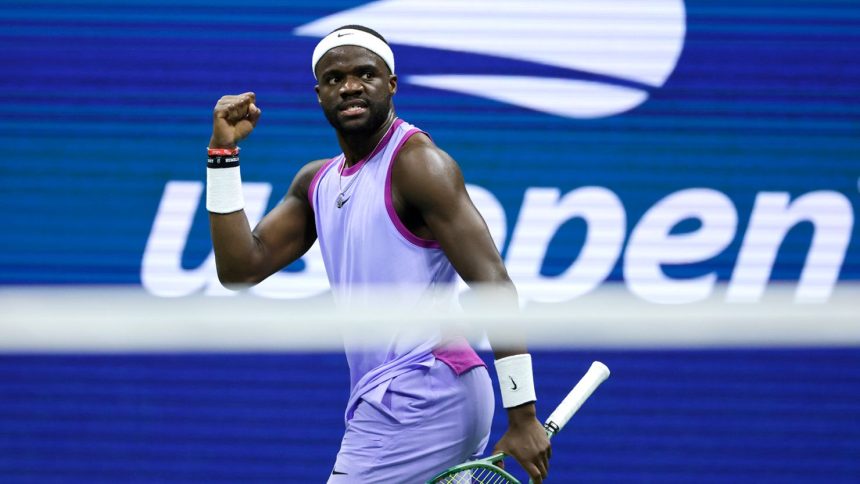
(571,403)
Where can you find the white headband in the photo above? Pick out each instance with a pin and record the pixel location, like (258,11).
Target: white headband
(353,37)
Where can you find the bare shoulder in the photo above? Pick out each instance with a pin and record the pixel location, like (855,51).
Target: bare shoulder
(426,176)
(420,158)
(303,179)
(309,171)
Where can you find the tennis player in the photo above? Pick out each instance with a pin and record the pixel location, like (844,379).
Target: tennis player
(391,209)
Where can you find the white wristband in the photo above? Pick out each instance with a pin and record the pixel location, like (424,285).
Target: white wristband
(224,190)
(516,380)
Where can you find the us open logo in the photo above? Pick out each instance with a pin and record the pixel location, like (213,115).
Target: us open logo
(577,59)
(596,58)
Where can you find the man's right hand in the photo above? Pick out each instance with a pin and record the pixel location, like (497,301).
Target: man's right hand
(233,120)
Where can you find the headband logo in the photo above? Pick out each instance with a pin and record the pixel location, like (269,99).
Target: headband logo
(360,39)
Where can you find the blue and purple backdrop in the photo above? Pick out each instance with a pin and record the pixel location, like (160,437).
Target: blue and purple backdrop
(673,148)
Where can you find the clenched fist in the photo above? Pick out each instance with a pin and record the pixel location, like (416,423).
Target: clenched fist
(233,120)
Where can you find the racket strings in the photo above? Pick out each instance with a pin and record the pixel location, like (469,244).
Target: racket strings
(481,475)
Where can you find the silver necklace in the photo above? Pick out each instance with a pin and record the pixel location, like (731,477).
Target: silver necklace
(340,196)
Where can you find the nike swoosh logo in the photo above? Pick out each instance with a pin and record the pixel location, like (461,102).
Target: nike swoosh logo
(341,200)
(342,35)
(514,383)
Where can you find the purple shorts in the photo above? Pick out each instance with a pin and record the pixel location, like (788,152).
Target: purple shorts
(416,425)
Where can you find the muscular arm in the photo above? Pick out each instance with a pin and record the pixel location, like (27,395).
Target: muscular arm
(428,181)
(243,256)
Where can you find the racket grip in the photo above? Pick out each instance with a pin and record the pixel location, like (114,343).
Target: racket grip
(596,374)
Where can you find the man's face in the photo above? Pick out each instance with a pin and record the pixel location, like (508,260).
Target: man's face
(355,89)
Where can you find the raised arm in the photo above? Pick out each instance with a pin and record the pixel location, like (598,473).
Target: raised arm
(428,181)
(243,256)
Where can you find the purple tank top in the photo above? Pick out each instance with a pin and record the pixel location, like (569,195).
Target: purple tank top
(364,244)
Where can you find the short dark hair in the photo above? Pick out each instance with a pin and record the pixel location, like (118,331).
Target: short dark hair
(363,29)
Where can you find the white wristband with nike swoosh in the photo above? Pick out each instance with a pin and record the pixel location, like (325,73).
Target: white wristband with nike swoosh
(516,380)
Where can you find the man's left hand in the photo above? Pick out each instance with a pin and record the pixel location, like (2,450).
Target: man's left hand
(526,441)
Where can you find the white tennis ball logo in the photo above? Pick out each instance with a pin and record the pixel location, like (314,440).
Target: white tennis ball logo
(613,52)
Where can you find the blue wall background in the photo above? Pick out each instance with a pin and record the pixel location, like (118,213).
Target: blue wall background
(106,102)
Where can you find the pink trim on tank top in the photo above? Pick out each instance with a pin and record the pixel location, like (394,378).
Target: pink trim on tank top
(389,203)
(315,181)
(351,170)
(458,355)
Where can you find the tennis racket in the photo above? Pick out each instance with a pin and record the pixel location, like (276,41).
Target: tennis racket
(485,471)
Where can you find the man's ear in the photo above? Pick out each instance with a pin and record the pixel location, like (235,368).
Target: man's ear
(317,90)
(392,83)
